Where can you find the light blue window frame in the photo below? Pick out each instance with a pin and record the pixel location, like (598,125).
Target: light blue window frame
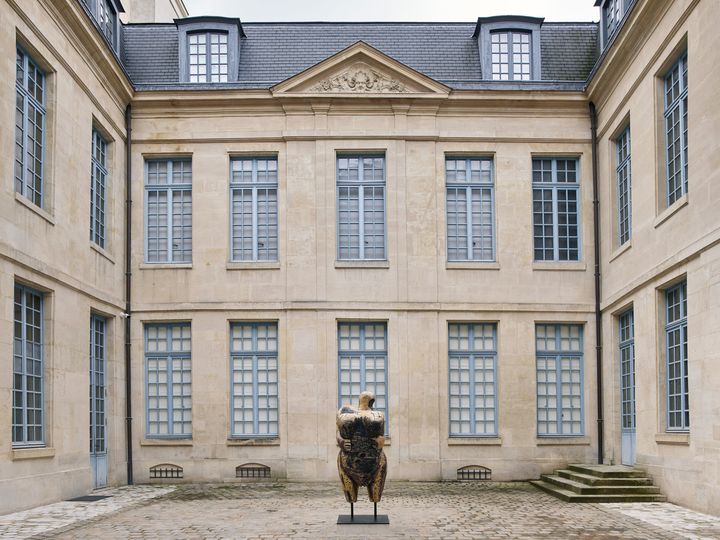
(253,209)
(624,186)
(98,384)
(560,380)
(362,363)
(676,354)
(557,228)
(361,237)
(470,223)
(676,130)
(29,127)
(173,216)
(254,406)
(612,15)
(28,405)
(168,381)
(98,188)
(626,323)
(472,380)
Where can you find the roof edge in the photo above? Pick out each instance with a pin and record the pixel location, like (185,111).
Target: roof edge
(507,18)
(229,21)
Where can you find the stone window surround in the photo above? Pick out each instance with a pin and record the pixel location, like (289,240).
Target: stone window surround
(487,25)
(189,25)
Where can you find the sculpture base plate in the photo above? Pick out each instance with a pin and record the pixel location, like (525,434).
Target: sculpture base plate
(346,519)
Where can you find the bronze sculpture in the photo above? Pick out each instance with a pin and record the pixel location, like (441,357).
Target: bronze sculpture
(361,460)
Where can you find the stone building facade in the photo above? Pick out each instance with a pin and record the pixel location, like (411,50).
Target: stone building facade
(238,226)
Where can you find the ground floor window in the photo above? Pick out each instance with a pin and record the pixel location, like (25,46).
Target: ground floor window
(676,336)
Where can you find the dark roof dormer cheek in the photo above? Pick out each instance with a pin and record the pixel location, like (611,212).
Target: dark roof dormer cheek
(509,48)
(208,49)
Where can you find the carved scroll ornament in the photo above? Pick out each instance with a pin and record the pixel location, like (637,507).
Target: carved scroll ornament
(360,79)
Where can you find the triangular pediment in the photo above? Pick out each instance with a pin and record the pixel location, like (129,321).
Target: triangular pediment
(360,70)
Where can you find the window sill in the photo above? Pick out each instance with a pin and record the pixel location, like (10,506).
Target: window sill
(362,264)
(35,208)
(620,250)
(166,442)
(472,265)
(563,441)
(270,441)
(102,252)
(671,210)
(568,266)
(43,452)
(165,266)
(254,265)
(474,441)
(676,439)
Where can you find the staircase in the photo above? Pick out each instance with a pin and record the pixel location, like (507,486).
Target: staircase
(600,484)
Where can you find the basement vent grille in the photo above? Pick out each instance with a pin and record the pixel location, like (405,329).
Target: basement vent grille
(474,472)
(166,470)
(252,470)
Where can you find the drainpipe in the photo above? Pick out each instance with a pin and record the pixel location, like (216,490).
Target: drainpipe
(598,313)
(128,281)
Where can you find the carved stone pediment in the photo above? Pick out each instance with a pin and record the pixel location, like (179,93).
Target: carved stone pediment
(360,78)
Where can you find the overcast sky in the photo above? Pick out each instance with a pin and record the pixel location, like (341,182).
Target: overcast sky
(392,10)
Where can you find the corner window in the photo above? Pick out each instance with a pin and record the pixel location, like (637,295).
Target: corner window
(511,56)
(208,57)
(676,130)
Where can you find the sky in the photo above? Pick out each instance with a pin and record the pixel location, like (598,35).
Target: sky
(392,10)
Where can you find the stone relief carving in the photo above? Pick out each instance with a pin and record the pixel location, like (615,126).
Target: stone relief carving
(360,79)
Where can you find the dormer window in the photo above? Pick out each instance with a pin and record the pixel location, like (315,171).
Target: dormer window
(611,15)
(105,12)
(208,57)
(511,56)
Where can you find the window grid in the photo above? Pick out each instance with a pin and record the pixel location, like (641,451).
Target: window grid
(168,211)
(676,332)
(208,57)
(624,186)
(510,56)
(28,417)
(254,209)
(470,209)
(361,207)
(472,350)
(29,127)
(627,370)
(254,386)
(107,19)
(676,130)
(168,383)
(556,213)
(98,436)
(612,11)
(98,189)
(362,363)
(559,380)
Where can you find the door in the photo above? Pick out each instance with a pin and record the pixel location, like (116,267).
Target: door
(98,395)
(627,388)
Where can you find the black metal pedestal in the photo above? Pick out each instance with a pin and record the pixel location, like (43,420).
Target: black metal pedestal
(352,519)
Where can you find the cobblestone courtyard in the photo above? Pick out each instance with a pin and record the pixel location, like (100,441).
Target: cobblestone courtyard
(289,510)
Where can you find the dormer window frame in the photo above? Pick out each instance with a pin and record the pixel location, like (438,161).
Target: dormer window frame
(209,26)
(511,25)
(612,14)
(106,14)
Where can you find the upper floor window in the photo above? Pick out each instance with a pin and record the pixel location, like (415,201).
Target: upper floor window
(29,127)
(208,57)
(612,13)
(676,129)
(511,56)
(98,189)
(556,212)
(624,186)
(107,18)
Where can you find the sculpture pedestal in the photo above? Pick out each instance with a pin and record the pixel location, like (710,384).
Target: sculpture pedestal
(352,519)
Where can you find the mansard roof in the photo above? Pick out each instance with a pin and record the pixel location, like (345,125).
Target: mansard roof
(270,53)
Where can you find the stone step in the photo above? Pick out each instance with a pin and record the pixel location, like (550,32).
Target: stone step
(571,496)
(585,489)
(608,471)
(592,480)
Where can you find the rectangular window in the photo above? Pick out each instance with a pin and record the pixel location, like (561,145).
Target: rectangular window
(472,392)
(98,362)
(627,370)
(676,335)
(208,57)
(361,207)
(29,127)
(254,209)
(559,379)
(28,417)
(511,56)
(612,15)
(98,189)
(624,186)
(362,363)
(168,380)
(107,19)
(676,130)
(556,211)
(254,386)
(168,211)
(470,209)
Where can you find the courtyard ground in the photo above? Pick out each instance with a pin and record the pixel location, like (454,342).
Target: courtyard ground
(294,510)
